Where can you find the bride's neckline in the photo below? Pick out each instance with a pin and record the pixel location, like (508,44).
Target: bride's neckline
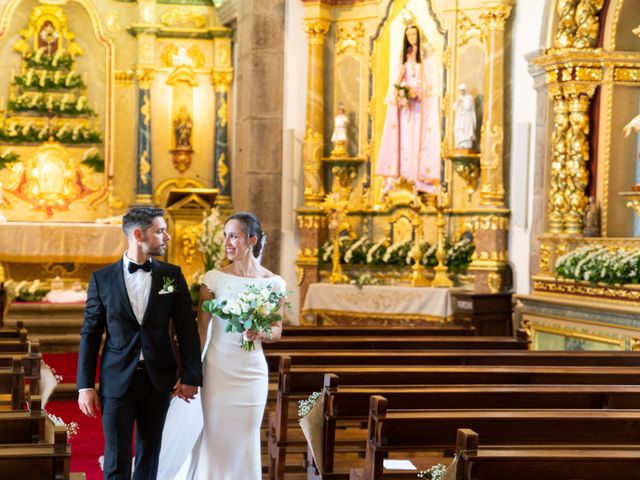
(245,278)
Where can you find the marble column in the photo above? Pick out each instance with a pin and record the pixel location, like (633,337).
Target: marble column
(492,136)
(315,29)
(144,184)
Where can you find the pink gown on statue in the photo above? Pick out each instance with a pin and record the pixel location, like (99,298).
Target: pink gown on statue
(410,145)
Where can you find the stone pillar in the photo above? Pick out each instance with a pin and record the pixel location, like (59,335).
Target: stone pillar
(316,28)
(144,183)
(258,95)
(492,136)
(222,77)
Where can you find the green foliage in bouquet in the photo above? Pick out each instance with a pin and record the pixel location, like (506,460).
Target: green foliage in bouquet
(459,254)
(434,473)
(255,309)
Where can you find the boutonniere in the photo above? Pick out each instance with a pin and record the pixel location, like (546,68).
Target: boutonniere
(168,286)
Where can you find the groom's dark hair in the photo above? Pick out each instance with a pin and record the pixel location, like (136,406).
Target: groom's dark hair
(140,217)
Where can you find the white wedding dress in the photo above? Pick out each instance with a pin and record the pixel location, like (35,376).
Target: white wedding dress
(218,438)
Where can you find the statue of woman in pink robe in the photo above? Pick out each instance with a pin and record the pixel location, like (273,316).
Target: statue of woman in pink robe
(410,145)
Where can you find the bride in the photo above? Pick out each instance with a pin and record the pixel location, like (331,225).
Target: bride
(218,438)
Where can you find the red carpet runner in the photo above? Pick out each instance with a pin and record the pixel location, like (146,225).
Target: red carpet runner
(88,444)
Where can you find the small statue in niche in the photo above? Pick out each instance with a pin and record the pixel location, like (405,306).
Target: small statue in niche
(339,137)
(464,126)
(183,126)
(592,219)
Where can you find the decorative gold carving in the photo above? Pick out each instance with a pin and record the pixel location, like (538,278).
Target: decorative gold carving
(47,25)
(223,112)
(313,189)
(223,170)
(558,205)
(494,18)
(588,23)
(467,165)
(300,275)
(124,78)
(612,293)
(589,74)
(174,56)
(146,49)
(145,76)
(336,209)
(545,257)
(145,167)
(183,18)
(494,282)
(145,110)
(577,157)
(49,179)
(468,29)
(567,25)
(490,222)
(346,39)
(626,74)
(183,73)
(441,278)
(492,190)
(578,24)
(312,222)
(316,29)
(222,80)
(189,240)
(633,201)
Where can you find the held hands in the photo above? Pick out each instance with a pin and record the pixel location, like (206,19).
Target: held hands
(89,402)
(185,392)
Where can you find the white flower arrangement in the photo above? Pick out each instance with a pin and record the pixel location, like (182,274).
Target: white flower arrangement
(211,241)
(597,263)
(349,253)
(374,248)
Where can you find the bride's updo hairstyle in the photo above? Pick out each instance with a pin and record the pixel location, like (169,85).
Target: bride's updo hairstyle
(252,227)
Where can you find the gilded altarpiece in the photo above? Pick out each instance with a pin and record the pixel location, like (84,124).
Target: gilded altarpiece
(588,73)
(355,61)
(106,104)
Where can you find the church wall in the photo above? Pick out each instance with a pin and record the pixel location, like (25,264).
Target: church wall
(528,18)
(293,121)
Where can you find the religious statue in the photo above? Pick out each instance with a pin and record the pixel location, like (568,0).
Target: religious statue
(339,137)
(183,126)
(592,219)
(410,144)
(634,124)
(464,126)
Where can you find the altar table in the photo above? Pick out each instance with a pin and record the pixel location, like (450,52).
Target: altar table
(342,304)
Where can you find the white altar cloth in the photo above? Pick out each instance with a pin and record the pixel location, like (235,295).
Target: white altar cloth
(400,302)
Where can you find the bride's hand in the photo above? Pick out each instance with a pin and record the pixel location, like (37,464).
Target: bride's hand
(176,389)
(250,335)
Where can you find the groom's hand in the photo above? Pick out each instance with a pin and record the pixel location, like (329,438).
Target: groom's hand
(89,402)
(185,392)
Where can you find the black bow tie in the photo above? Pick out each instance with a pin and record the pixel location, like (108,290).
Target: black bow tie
(134,267)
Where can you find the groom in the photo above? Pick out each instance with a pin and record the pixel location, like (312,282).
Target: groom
(134,300)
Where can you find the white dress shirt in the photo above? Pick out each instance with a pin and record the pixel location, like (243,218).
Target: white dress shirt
(138,285)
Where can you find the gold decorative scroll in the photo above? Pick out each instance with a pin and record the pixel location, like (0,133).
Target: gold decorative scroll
(346,39)
(175,56)
(578,24)
(468,29)
(183,18)
(44,19)
(558,206)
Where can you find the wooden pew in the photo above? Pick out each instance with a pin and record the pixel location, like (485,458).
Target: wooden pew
(453,357)
(14,346)
(44,455)
(397,343)
(17,333)
(432,431)
(297,382)
(349,404)
(12,386)
(506,463)
(375,331)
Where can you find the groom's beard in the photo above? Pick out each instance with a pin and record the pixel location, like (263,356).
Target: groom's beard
(158,251)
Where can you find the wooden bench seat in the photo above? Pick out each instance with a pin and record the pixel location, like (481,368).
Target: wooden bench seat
(434,431)
(506,463)
(374,331)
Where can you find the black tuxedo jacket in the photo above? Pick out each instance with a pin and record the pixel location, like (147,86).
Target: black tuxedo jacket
(108,309)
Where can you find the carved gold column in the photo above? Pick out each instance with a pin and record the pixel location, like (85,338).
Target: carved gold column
(577,140)
(144,181)
(222,76)
(492,136)
(558,206)
(316,28)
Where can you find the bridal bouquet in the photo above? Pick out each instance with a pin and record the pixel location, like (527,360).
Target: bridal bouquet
(255,309)
(403,94)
